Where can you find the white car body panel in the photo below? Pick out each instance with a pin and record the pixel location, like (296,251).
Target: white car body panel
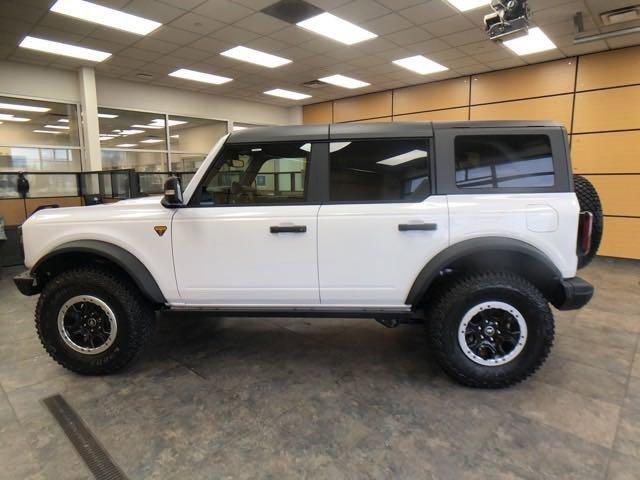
(522,216)
(127,224)
(364,259)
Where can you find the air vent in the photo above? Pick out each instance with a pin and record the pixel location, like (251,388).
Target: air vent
(621,15)
(315,84)
(144,76)
(292,11)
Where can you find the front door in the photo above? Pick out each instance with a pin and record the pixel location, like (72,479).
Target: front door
(249,237)
(381,225)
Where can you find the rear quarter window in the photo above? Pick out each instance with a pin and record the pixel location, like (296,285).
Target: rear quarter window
(503,161)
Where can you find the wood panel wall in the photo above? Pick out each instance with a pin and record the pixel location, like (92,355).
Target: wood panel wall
(596,96)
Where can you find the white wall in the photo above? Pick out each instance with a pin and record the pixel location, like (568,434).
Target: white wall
(24,80)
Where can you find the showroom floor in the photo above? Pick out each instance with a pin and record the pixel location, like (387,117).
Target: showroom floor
(292,398)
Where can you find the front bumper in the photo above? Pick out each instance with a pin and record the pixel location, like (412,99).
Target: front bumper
(575,293)
(26,283)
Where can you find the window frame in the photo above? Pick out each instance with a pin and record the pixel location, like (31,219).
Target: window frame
(429,141)
(446,160)
(310,196)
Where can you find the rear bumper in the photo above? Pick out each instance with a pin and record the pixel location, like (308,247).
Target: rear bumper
(575,293)
(26,284)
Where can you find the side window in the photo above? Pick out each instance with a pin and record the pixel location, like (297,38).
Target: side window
(495,161)
(254,174)
(379,170)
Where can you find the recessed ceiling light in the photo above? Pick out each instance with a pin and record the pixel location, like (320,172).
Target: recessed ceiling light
(151,140)
(279,92)
(105,16)
(104,138)
(172,123)
(403,158)
(107,115)
(533,42)
(10,118)
(343,81)
(464,5)
(48,131)
(128,132)
(64,120)
(59,127)
(420,64)
(237,128)
(152,126)
(200,76)
(127,145)
(24,108)
(65,49)
(336,28)
(255,56)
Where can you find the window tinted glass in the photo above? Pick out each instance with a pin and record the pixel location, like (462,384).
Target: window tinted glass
(254,174)
(494,161)
(379,170)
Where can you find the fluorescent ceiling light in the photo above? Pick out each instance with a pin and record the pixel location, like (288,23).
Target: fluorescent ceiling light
(64,120)
(238,127)
(59,127)
(535,41)
(24,108)
(420,64)
(174,136)
(153,126)
(127,145)
(65,49)
(48,131)
(128,132)
(279,92)
(172,123)
(344,81)
(464,5)
(255,56)
(151,140)
(107,115)
(10,118)
(336,28)
(200,76)
(333,146)
(108,17)
(403,158)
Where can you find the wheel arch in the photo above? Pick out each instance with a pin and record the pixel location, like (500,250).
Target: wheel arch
(83,252)
(491,254)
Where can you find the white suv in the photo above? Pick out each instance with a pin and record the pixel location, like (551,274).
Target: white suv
(473,227)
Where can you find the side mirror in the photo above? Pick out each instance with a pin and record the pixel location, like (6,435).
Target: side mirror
(172,193)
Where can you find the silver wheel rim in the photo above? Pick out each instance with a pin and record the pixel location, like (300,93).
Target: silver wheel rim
(491,317)
(87,325)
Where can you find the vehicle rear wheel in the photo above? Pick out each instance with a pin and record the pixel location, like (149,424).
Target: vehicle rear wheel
(491,330)
(589,202)
(92,321)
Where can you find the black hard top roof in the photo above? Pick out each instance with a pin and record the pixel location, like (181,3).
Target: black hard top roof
(342,131)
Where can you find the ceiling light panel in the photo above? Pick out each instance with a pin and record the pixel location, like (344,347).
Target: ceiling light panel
(57,48)
(108,17)
(420,64)
(255,56)
(107,115)
(464,5)
(279,92)
(127,145)
(58,127)
(48,131)
(336,28)
(344,81)
(10,118)
(23,108)
(200,76)
(533,42)
(152,140)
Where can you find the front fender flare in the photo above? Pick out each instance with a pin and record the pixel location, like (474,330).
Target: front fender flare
(113,253)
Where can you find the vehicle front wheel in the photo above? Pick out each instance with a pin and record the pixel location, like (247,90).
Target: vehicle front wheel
(491,330)
(92,321)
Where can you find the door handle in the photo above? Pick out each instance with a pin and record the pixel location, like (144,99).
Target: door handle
(288,228)
(405,227)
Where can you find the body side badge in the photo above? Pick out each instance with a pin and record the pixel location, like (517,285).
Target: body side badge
(160,229)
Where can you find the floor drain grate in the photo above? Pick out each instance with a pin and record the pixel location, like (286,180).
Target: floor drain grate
(86,444)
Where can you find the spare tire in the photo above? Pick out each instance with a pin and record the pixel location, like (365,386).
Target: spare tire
(589,202)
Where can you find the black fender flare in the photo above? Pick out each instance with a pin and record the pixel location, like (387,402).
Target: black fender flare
(113,253)
(475,246)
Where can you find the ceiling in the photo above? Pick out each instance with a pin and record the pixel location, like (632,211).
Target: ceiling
(194,32)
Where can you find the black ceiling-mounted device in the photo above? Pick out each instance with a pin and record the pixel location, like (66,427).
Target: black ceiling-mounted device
(509,19)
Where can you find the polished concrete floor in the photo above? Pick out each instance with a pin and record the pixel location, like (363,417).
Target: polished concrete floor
(299,398)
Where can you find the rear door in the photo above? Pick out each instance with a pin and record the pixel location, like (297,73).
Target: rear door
(381,224)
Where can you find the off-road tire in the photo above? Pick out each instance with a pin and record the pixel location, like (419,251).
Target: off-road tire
(589,202)
(445,317)
(135,318)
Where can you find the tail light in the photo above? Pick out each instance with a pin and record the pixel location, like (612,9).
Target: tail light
(585,229)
